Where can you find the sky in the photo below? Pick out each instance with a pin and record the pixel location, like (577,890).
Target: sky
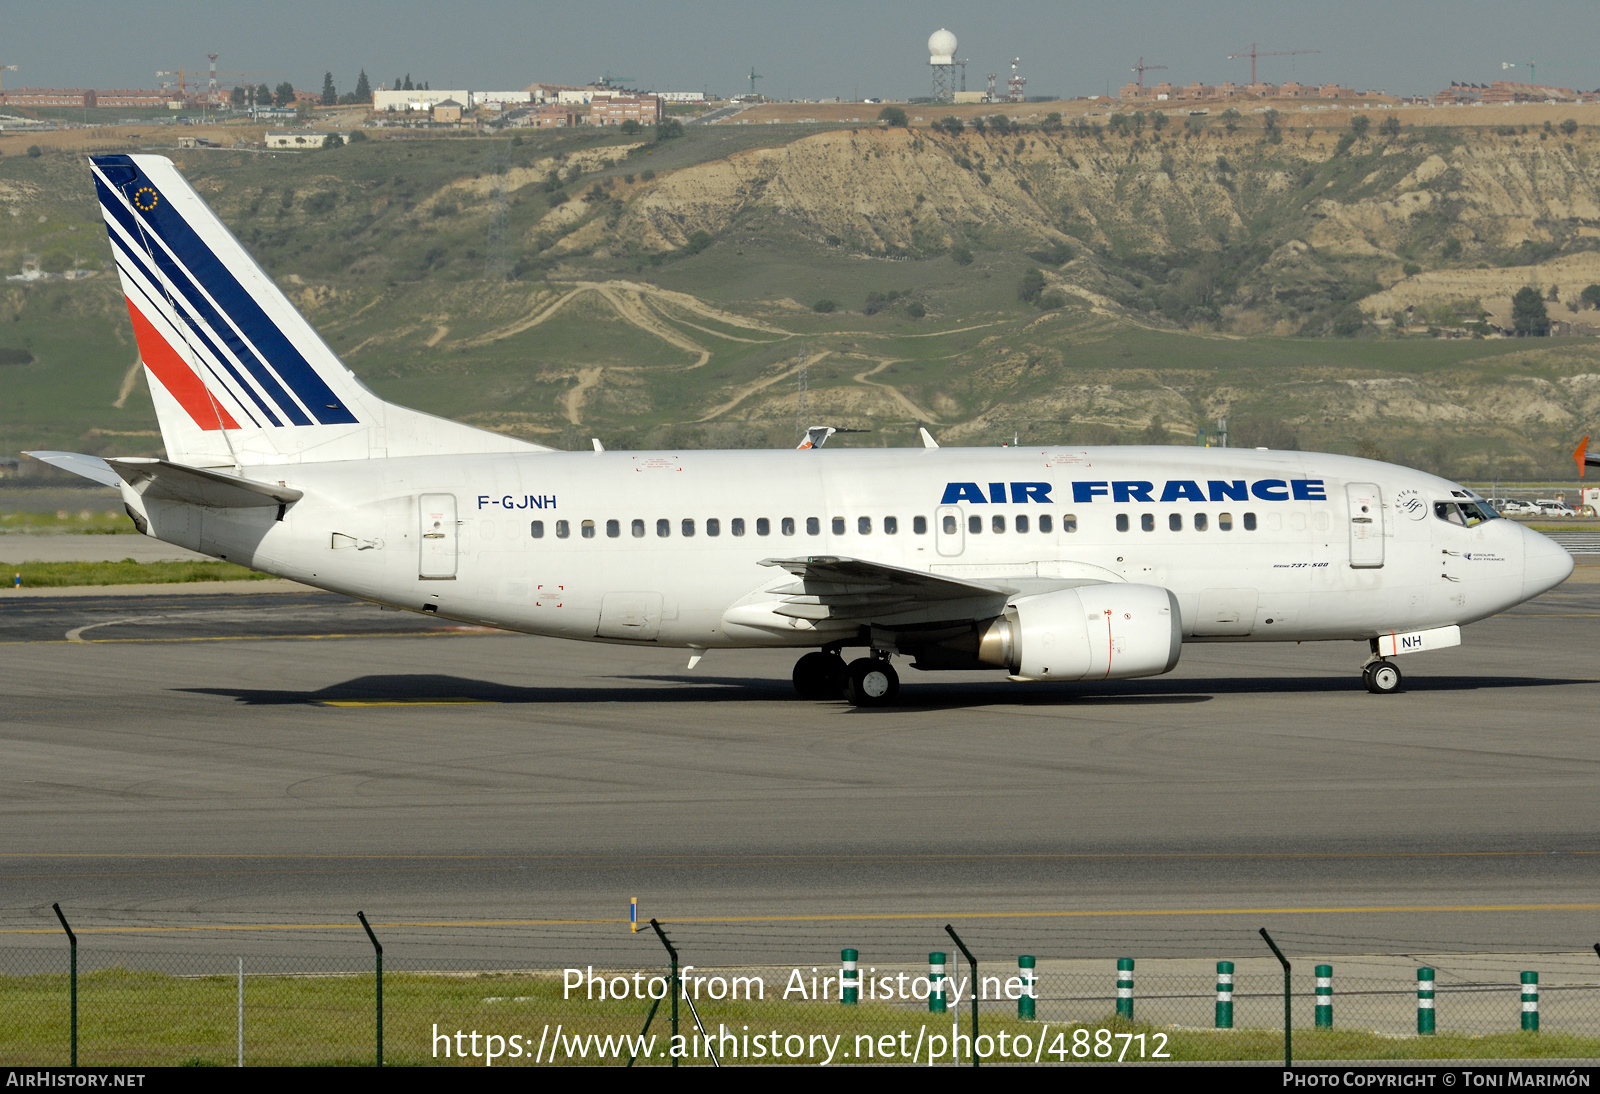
(812,50)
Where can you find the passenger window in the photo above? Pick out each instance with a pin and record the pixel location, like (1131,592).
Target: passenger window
(998,523)
(1249,522)
(1147,521)
(949,525)
(563,529)
(613,529)
(975,525)
(1175,522)
(1274,522)
(891,525)
(713,526)
(838,526)
(788,526)
(1199,522)
(537,528)
(638,529)
(1224,522)
(1022,524)
(1069,524)
(688,526)
(864,525)
(919,526)
(1321,520)
(587,528)
(1046,524)
(813,526)
(736,526)
(1297,522)
(663,528)
(1122,522)
(763,526)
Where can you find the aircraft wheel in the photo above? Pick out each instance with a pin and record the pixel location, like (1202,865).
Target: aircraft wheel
(1381,677)
(871,682)
(819,675)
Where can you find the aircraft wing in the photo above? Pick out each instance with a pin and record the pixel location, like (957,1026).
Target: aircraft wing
(841,589)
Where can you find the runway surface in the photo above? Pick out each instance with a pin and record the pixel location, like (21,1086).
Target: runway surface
(201,761)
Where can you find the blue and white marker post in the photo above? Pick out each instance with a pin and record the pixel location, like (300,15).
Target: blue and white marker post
(1324,1010)
(633,915)
(1030,987)
(1425,1001)
(1224,994)
(1530,1002)
(849,978)
(936,981)
(1125,988)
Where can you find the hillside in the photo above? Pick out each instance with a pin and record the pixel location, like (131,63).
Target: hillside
(578,284)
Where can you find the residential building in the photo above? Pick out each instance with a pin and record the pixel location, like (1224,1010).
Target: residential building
(616,109)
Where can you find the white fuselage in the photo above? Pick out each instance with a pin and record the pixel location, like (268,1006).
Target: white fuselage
(551,543)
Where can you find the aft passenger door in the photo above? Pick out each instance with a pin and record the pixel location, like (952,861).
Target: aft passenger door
(1365,500)
(437,561)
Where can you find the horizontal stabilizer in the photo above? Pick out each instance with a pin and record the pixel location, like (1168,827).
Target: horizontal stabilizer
(90,467)
(167,481)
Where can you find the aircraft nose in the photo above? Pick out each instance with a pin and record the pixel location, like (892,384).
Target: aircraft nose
(1545,563)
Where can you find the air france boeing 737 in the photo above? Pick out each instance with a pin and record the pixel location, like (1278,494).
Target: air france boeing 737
(1047,563)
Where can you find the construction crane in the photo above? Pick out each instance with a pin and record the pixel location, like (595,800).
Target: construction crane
(1533,69)
(3,70)
(609,81)
(1253,53)
(1141,68)
(754,76)
(183,92)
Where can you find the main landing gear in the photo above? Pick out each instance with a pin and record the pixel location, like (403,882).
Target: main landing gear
(864,682)
(1381,677)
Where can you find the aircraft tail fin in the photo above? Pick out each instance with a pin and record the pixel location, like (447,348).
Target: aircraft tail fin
(237,374)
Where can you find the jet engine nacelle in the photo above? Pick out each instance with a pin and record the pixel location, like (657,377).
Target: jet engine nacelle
(1094,632)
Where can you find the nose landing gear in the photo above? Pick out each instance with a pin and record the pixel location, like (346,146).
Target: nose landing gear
(1381,677)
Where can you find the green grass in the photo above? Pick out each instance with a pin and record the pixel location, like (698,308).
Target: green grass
(149,1019)
(127,572)
(103,522)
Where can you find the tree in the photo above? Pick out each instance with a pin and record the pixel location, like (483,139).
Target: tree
(894,117)
(284,95)
(962,256)
(1031,286)
(1359,124)
(1554,293)
(236,97)
(397,83)
(1000,124)
(263,95)
(1230,119)
(629,127)
(978,125)
(1158,120)
(1389,128)
(1590,296)
(333,140)
(668,129)
(330,94)
(1269,121)
(409,86)
(951,125)
(363,88)
(1528,316)
(823,307)
(1052,121)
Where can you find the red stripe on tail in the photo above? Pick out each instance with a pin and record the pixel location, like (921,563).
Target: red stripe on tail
(177,377)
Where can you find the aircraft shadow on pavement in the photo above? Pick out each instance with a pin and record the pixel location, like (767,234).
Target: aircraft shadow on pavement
(400,690)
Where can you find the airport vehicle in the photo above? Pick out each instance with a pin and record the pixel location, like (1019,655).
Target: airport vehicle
(1553,507)
(1512,506)
(1047,563)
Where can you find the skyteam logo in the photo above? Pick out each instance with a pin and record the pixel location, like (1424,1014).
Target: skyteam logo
(1128,490)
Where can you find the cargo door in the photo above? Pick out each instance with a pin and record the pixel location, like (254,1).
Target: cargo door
(439,537)
(630,615)
(1365,500)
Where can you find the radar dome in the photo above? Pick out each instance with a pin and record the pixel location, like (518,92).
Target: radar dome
(941,47)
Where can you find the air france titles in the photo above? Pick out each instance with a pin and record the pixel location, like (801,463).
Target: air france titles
(1127,490)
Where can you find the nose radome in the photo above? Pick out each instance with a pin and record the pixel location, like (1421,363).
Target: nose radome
(1545,565)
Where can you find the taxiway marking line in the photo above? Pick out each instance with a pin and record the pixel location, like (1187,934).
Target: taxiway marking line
(854,917)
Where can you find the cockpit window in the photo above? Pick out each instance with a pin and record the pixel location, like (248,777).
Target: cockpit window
(1466,513)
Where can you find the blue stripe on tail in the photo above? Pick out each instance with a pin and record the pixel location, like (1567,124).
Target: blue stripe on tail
(209,273)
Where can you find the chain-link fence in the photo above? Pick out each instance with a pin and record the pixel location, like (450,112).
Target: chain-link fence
(900,1004)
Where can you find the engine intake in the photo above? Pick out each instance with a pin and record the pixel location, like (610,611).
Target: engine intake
(1094,632)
